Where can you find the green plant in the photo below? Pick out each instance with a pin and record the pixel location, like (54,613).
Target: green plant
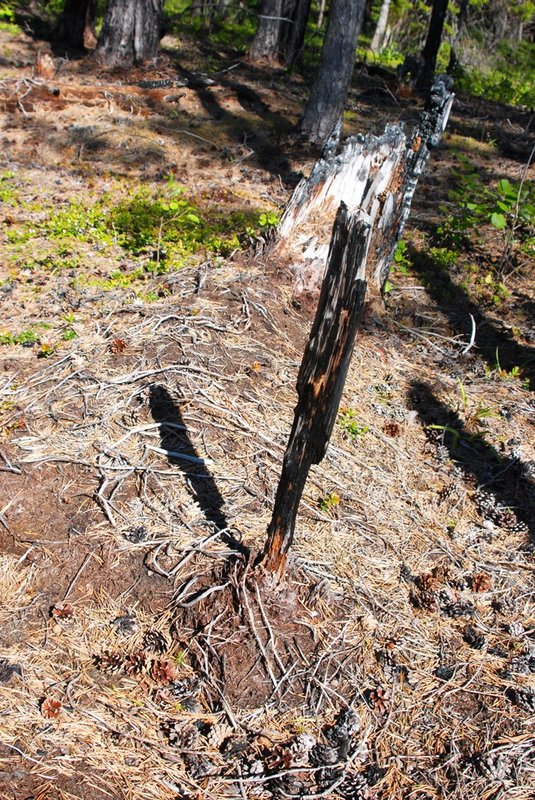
(7,192)
(507,207)
(27,337)
(352,428)
(329,502)
(402,262)
(68,334)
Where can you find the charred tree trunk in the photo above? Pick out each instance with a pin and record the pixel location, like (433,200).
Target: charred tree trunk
(265,45)
(76,26)
(329,90)
(131,32)
(293,33)
(432,43)
(322,377)
(371,174)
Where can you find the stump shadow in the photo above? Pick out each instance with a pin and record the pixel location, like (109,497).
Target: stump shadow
(502,476)
(175,439)
(493,340)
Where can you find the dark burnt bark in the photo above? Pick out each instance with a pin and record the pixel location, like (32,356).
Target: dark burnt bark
(265,45)
(432,44)
(293,32)
(329,90)
(321,378)
(76,26)
(131,32)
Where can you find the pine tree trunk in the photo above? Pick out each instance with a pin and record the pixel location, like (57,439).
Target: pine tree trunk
(265,45)
(432,43)
(293,33)
(380,30)
(329,90)
(131,32)
(321,14)
(76,23)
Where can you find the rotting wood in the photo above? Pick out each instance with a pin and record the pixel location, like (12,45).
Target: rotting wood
(321,377)
(375,175)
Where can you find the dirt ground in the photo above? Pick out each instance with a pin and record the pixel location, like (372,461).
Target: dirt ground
(144,419)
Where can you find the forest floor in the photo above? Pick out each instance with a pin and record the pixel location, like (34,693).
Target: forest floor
(146,394)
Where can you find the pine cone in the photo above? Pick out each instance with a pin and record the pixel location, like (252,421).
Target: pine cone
(136,663)
(301,747)
(200,766)
(524,665)
(7,670)
(218,733)
(155,642)
(254,769)
(354,787)
(481,582)
(378,699)
(182,734)
(126,625)
(473,638)
(494,766)
(522,697)
(110,662)
(515,629)
(322,754)
(162,671)
(287,785)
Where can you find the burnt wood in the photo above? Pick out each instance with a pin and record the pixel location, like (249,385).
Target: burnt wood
(321,377)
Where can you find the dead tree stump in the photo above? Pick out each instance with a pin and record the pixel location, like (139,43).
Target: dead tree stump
(374,175)
(370,186)
(321,377)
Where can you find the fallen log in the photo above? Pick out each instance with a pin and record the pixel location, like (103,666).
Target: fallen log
(376,175)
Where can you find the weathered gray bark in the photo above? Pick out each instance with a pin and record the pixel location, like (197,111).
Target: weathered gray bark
(375,175)
(321,378)
(265,45)
(329,90)
(76,25)
(131,32)
(432,43)
(380,29)
(293,32)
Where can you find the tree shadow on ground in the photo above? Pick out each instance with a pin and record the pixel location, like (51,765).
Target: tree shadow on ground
(503,477)
(494,342)
(175,439)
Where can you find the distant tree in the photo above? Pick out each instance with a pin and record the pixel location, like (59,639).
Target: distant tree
(293,30)
(76,25)
(381,28)
(329,89)
(432,43)
(281,31)
(131,32)
(265,45)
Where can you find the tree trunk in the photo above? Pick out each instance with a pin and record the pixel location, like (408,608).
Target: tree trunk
(375,175)
(265,45)
(293,33)
(321,14)
(76,24)
(379,36)
(329,90)
(321,378)
(432,43)
(131,32)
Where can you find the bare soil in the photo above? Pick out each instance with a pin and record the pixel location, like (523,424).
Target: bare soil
(141,656)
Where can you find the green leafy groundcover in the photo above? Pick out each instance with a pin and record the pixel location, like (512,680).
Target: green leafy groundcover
(166,227)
